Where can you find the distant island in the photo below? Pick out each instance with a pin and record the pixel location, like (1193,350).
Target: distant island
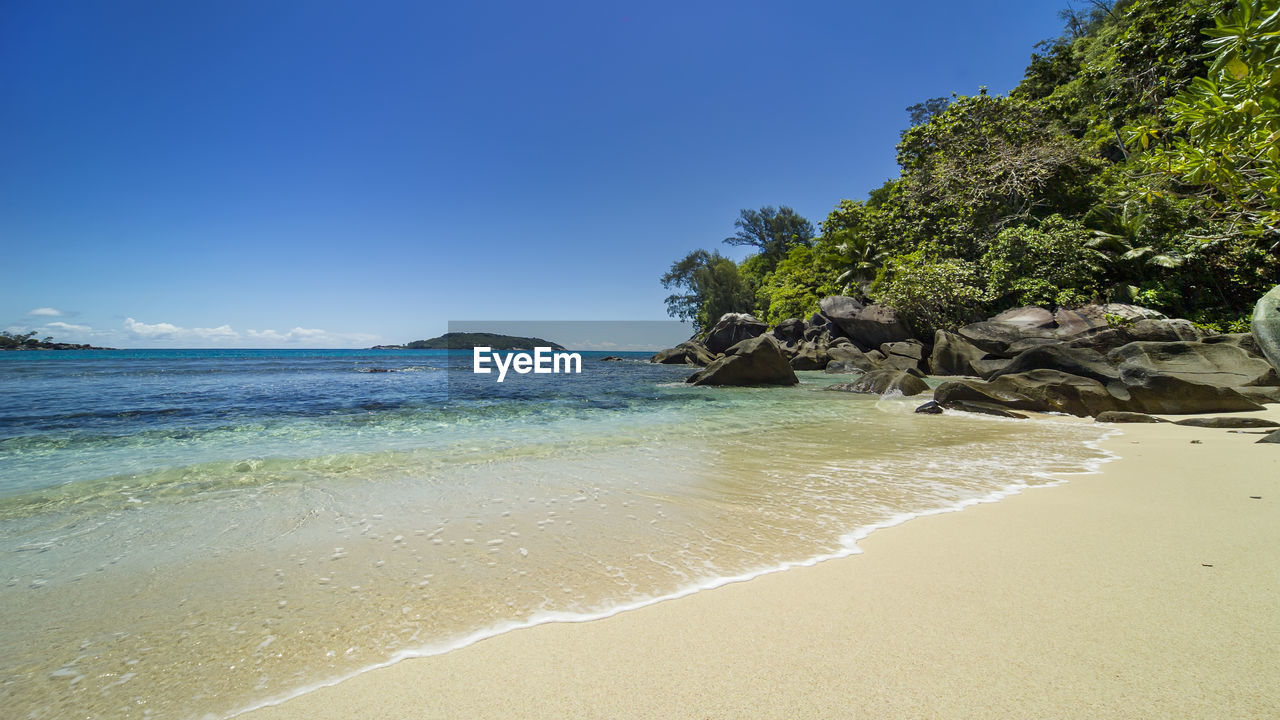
(466,341)
(28,341)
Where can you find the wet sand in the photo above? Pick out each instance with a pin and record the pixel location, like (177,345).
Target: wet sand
(1148,590)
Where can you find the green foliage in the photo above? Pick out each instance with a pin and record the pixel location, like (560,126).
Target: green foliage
(1223,131)
(1118,321)
(982,164)
(1122,168)
(851,246)
(467,341)
(931,293)
(712,286)
(1048,264)
(772,232)
(796,285)
(922,112)
(13,341)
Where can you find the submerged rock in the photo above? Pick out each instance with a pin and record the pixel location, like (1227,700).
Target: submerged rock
(848,358)
(982,408)
(756,361)
(880,382)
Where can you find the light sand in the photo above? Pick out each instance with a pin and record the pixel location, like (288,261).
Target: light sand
(1150,590)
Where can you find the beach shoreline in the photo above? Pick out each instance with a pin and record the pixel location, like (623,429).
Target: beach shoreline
(1145,589)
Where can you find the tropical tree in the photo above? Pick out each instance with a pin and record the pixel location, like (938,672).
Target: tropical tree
(711,286)
(772,231)
(1223,135)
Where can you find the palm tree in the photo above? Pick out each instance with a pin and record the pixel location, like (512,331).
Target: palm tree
(1120,247)
(862,256)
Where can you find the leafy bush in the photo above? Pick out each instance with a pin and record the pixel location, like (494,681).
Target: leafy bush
(931,293)
(1045,265)
(795,286)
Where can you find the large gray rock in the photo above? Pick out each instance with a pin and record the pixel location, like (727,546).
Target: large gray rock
(953,355)
(869,326)
(1153,392)
(1073,361)
(1155,330)
(1014,331)
(1056,391)
(756,361)
(1035,391)
(965,390)
(996,337)
(1221,365)
(1140,390)
(1072,323)
(731,329)
(1266,326)
(1272,438)
(881,382)
(689,352)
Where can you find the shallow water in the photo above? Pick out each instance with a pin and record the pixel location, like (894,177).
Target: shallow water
(188,534)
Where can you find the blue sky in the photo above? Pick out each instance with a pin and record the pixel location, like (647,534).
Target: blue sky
(338,174)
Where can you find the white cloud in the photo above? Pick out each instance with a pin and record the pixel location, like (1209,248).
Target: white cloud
(68,327)
(46,312)
(169,331)
(311,336)
(164,333)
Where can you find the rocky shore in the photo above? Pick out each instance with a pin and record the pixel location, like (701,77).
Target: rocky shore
(1114,362)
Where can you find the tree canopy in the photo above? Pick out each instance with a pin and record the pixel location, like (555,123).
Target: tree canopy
(1137,161)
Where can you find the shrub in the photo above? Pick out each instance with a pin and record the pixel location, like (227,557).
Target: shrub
(931,293)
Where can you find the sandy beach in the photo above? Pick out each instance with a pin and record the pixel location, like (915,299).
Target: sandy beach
(1146,590)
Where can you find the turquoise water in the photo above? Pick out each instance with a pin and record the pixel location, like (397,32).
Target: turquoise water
(193,533)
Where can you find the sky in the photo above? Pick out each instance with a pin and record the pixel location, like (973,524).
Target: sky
(311,173)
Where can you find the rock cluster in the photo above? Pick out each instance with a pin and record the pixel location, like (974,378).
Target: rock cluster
(1115,362)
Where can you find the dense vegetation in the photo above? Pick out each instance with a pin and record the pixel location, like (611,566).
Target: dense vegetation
(1138,161)
(467,341)
(28,341)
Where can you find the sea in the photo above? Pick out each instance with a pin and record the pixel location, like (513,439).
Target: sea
(196,533)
